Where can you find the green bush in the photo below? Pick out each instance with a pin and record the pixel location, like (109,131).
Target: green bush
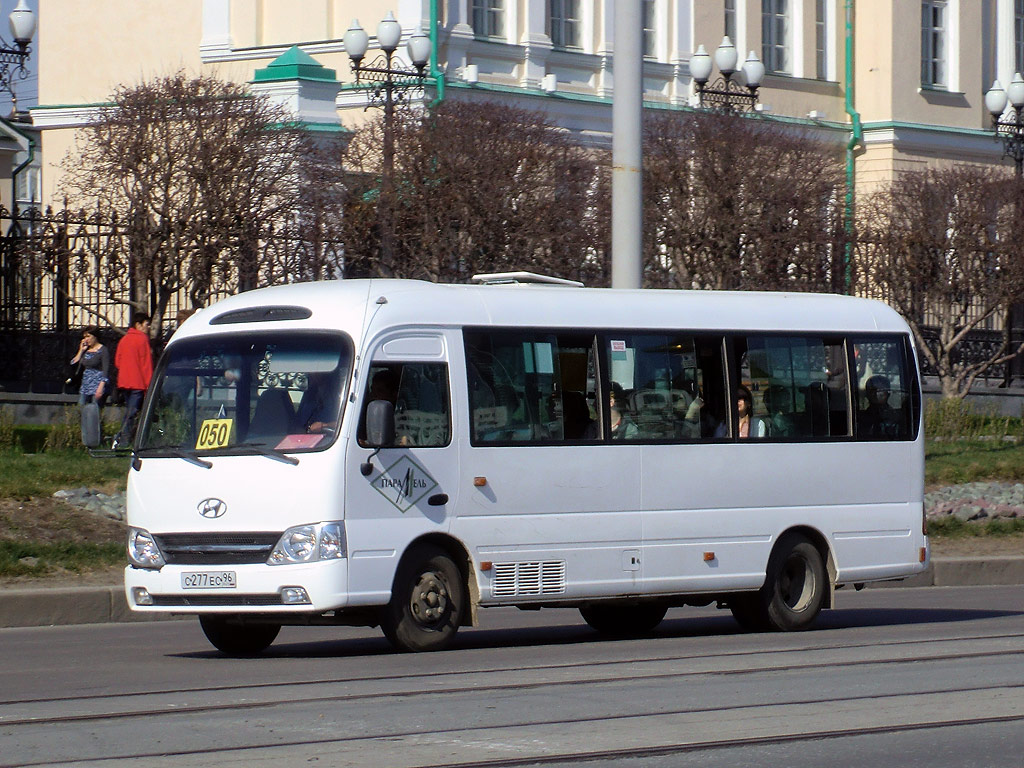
(65,434)
(8,438)
(955,419)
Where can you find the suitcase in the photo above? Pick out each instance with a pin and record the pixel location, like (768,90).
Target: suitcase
(91,424)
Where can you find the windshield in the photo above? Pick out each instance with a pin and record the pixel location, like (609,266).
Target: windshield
(247,393)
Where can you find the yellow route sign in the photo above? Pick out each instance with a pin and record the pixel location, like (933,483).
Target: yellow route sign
(214,433)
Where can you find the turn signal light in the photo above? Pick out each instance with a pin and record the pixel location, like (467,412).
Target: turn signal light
(709,556)
(479,482)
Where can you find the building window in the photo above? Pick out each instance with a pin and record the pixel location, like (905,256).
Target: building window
(821,40)
(934,43)
(564,23)
(730,20)
(650,34)
(489,18)
(775,35)
(1018,36)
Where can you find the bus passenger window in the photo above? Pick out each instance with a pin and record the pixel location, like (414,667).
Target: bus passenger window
(884,403)
(665,387)
(532,387)
(419,392)
(798,385)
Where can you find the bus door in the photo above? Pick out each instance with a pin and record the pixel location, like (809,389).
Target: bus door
(413,484)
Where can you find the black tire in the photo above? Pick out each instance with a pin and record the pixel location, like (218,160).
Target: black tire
(748,610)
(427,601)
(624,620)
(238,639)
(793,591)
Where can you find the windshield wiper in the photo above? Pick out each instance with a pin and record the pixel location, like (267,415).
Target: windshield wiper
(177,453)
(263,450)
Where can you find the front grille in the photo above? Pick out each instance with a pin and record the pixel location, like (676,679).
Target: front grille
(216,548)
(185,601)
(530,578)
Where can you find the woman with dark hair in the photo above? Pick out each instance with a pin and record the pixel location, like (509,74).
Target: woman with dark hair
(748,425)
(94,360)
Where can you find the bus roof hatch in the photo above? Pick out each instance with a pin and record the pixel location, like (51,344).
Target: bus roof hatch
(523,278)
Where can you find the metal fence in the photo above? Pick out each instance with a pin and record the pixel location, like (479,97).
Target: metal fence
(60,271)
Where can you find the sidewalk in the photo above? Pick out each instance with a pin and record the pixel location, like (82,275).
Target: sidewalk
(41,606)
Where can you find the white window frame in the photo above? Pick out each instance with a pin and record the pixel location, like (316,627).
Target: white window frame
(950,39)
(563,16)
(494,15)
(1018,35)
(772,48)
(651,40)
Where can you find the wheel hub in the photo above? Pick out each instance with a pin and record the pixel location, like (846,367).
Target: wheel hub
(429,599)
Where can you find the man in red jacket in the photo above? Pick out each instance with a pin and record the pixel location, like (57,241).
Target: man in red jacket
(134,361)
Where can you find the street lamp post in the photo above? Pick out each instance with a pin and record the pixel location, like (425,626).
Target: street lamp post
(1009,128)
(391,84)
(13,58)
(726,94)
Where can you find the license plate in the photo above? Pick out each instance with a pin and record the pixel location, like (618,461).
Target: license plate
(209,580)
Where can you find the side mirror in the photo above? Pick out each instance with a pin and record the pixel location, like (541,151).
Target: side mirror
(380,424)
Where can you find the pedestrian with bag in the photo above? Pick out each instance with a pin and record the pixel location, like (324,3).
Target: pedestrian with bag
(134,361)
(93,360)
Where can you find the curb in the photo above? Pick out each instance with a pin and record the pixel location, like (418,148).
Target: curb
(43,607)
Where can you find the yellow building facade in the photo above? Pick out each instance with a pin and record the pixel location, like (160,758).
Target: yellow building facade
(900,81)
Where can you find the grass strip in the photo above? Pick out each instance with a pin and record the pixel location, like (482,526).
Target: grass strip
(39,559)
(25,475)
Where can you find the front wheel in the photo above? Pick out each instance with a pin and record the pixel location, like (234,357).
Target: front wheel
(624,620)
(427,602)
(237,639)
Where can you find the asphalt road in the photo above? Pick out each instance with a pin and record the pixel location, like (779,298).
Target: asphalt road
(911,677)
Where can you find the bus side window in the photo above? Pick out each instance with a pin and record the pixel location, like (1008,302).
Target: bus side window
(419,392)
(884,397)
(665,387)
(532,387)
(798,385)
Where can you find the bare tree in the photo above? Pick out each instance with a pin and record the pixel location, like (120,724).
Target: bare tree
(735,202)
(943,247)
(478,187)
(195,173)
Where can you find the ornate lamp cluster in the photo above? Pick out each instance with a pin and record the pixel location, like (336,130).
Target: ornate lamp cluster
(1009,126)
(725,93)
(391,84)
(391,81)
(13,58)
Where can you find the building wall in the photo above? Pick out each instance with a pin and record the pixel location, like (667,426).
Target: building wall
(906,124)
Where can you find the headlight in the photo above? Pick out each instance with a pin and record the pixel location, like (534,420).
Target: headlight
(143,551)
(309,543)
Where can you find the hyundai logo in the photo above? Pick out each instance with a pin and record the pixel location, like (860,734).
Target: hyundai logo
(212,508)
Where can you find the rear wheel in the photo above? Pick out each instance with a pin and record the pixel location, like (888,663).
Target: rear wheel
(236,638)
(624,620)
(793,591)
(427,601)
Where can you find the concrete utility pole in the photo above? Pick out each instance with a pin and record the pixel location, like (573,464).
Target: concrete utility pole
(627,148)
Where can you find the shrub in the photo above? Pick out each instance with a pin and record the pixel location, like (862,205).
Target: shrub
(66,433)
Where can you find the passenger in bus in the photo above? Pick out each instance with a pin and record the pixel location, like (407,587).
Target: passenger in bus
(749,425)
(879,419)
(385,385)
(777,403)
(576,421)
(622,426)
(318,407)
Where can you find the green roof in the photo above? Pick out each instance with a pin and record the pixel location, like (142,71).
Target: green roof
(295,64)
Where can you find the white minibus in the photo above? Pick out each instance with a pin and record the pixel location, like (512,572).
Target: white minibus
(401,454)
